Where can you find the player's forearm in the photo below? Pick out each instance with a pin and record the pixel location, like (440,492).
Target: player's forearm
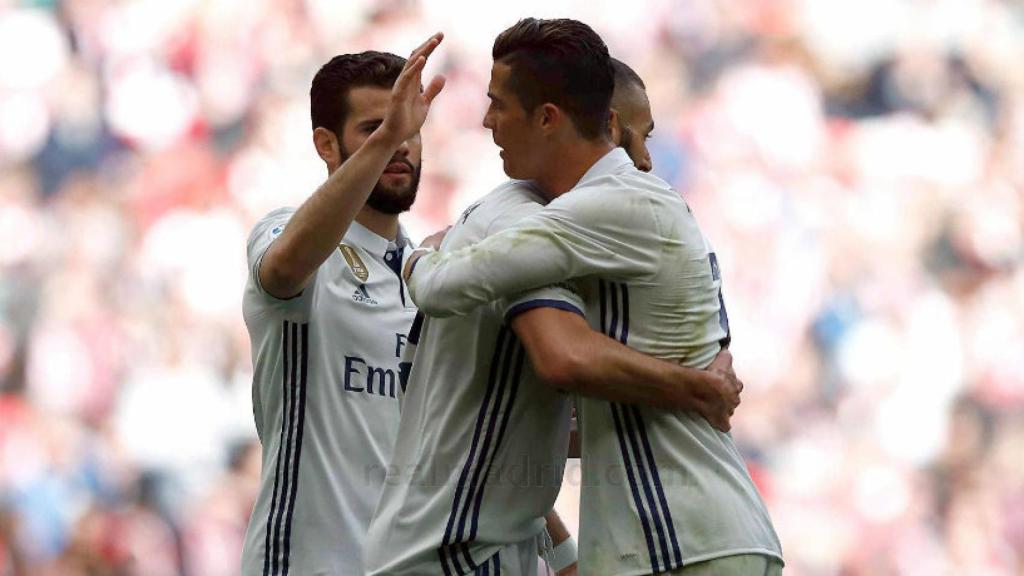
(611,371)
(441,286)
(454,283)
(556,528)
(317,227)
(567,354)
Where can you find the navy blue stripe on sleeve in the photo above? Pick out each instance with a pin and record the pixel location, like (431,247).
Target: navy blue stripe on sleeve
(540,303)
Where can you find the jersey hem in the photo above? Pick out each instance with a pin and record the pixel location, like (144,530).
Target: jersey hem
(702,558)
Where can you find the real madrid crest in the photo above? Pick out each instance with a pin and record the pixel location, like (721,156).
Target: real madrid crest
(355,263)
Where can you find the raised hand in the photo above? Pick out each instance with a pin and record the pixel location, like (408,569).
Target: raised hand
(410,103)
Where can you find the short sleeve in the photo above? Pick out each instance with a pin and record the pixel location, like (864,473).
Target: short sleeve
(268,229)
(561,295)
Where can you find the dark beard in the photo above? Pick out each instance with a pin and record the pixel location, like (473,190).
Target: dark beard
(390,200)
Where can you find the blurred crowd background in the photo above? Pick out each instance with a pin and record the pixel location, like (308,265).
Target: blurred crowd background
(859,167)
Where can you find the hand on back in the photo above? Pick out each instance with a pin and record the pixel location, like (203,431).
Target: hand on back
(718,399)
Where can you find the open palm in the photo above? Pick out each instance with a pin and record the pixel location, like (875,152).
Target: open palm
(410,103)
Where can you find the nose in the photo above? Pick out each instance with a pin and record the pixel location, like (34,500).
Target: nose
(403,149)
(488,121)
(645,164)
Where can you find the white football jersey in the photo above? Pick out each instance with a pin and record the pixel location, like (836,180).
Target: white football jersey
(482,441)
(326,379)
(661,489)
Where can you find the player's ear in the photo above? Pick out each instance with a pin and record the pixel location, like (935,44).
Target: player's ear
(616,127)
(549,116)
(327,146)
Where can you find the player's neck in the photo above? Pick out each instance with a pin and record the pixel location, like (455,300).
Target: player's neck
(380,223)
(573,162)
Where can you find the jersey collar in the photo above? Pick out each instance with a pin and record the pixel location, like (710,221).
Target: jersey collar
(610,163)
(370,241)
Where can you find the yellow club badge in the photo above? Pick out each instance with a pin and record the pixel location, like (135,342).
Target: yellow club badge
(354,262)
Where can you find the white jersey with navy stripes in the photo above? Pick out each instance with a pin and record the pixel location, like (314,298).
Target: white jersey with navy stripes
(325,384)
(660,489)
(482,442)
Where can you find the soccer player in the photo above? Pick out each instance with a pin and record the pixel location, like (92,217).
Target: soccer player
(663,491)
(328,314)
(631,120)
(482,440)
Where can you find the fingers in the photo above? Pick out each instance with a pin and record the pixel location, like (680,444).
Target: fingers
(717,414)
(433,89)
(410,74)
(720,423)
(723,360)
(427,48)
(726,356)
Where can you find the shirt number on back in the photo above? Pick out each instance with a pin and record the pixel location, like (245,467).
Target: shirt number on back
(723,316)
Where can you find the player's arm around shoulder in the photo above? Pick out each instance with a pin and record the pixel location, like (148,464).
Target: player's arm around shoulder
(453,282)
(581,233)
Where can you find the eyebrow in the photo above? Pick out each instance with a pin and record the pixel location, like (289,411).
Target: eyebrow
(370,122)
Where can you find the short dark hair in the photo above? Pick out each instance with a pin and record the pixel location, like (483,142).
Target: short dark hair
(626,76)
(563,62)
(328,96)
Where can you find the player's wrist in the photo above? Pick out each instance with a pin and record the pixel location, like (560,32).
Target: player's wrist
(690,386)
(563,555)
(414,257)
(385,138)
